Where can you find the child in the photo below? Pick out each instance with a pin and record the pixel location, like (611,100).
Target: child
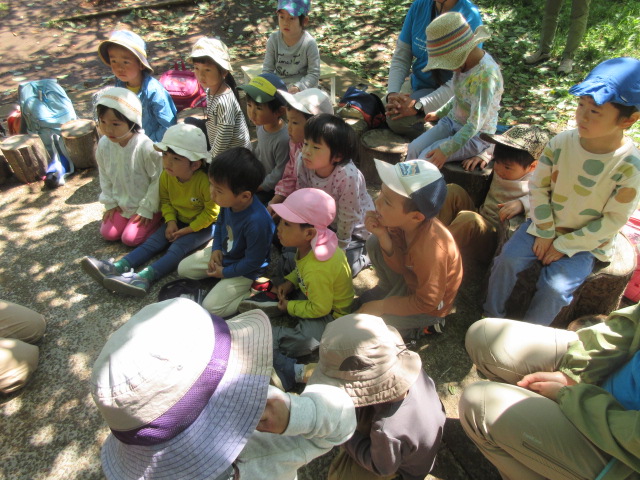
(326,163)
(126,54)
(400,417)
(477,85)
(415,256)
(186,395)
(514,159)
(265,110)
(321,278)
(300,108)
(292,53)
(241,247)
(584,189)
(129,170)
(225,125)
(187,208)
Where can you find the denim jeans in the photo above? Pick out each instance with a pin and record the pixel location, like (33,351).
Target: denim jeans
(178,249)
(554,288)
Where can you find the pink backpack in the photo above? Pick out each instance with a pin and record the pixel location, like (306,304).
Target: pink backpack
(632,231)
(183,87)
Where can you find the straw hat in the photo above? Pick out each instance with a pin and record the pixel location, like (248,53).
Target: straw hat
(450,40)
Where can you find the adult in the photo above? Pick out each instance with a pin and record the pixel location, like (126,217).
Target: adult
(409,99)
(570,404)
(19,328)
(577,27)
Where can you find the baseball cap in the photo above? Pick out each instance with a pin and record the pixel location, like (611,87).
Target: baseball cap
(262,88)
(311,101)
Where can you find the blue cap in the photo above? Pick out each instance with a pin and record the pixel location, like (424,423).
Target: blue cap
(616,80)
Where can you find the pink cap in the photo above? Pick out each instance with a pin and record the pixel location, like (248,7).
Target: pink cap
(317,208)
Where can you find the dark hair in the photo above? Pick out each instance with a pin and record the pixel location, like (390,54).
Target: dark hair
(307,116)
(274,105)
(410,205)
(239,169)
(336,133)
(228,79)
(300,18)
(102,109)
(624,111)
(172,152)
(504,154)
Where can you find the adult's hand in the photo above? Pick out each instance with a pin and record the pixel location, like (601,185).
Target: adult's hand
(400,105)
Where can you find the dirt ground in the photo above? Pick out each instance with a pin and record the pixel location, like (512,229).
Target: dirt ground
(51,429)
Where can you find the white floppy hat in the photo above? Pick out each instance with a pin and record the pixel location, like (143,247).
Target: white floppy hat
(311,101)
(213,49)
(181,390)
(186,140)
(129,40)
(450,40)
(124,101)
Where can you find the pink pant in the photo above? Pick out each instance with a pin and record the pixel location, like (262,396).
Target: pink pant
(131,234)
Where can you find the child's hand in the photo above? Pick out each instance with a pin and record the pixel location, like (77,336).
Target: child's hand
(215,261)
(540,246)
(552,255)
(372,223)
(215,272)
(276,199)
(284,289)
(437,157)
(108,215)
(140,220)
(431,117)
(372,308)
(172,227)
(470,164)
(283,304)
(293,89)
(510,209)
(546,384)
(181,233)
(275,417)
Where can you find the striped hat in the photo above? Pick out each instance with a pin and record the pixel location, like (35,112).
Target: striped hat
(450,40)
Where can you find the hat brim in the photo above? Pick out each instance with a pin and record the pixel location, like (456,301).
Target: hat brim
(389,386)
(104,54)
(256,94)
(448,62)
(288,99)
(286,213)
(215,439)
(389,177)
(501,139)
(190,154)
(224,64)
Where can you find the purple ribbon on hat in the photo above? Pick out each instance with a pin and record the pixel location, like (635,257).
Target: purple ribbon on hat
(181,415)
(324,244)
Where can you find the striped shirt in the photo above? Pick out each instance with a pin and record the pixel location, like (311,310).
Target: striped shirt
(226,127)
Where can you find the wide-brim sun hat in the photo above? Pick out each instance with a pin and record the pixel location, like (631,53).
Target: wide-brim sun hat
(311,101)
(181,390)
(186,140)
(450,39)
(314,207)
(525,137)
(616,80)
(367,359)
(129,40)
(214,49)
(124,101)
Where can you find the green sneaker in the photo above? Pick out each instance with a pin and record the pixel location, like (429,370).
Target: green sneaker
(98,269)
(129,283)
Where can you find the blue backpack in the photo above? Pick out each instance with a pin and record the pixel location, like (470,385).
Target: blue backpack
(367,104)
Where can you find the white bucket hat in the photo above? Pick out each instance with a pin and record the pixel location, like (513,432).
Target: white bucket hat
(311,101)
(124,101)
(129,40)
(213,49)
(186,140)
(450,40)
(181,390)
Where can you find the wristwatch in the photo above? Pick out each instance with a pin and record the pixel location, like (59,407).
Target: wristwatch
(418,106)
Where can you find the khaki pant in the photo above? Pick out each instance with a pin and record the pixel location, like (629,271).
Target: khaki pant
(525,435)
(577,27)
(18,359)
(343,467)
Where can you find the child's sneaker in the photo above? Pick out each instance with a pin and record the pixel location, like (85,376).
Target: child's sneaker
(98,269)
(129,283)
(284,375)
(265,301)
(261,284)
(435,328)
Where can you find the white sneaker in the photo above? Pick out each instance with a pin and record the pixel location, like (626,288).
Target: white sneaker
(566,65)
(537,57)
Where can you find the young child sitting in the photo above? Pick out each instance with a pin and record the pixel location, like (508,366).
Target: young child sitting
(400,417)
(126,54)
(129,169)
(266,110)
(204,409)
(415,256)
(188,211)
(244,232)
(514,159)
(326,163)
(225,125)
(319,288)
(477,86)
(292,53)
(300,108)
(585,187)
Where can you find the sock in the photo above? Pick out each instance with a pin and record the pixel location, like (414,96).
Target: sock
(298,368)
(122,265)
(149,273)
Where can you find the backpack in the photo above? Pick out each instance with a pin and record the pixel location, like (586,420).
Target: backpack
(13,122)
(368,105)
(44,107)
(183,87)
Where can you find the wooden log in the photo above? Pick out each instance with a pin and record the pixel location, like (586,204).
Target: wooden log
(476,183)
(81,140)
(27,157)
(5,170)
(199,113)
(381,144)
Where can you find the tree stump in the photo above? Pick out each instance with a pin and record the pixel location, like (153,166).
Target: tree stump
(198,112)
(27,157)
(381,144)
(476,182)
(81,140)
(5,170)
